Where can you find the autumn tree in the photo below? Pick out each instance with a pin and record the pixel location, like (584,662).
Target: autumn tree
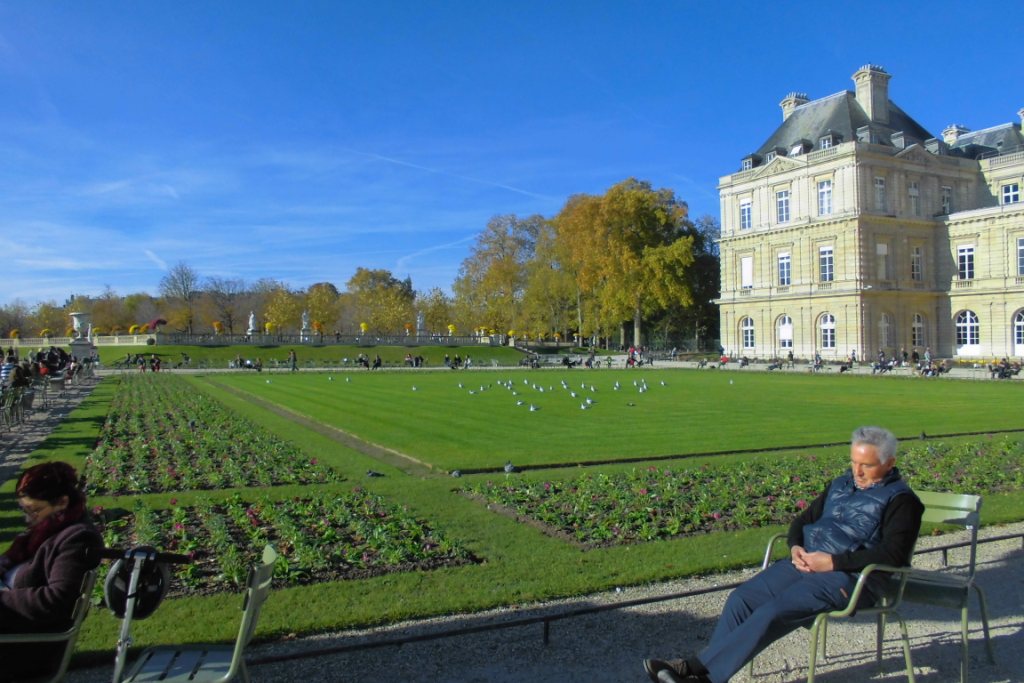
(322,304)
(224,297)
(379,299)
(108,311)
(283,309)
(180,290)
(492,279)
(551,295)
(47,315)
(437,310)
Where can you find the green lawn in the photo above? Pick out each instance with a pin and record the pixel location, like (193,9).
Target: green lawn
(480,426)
(448,428)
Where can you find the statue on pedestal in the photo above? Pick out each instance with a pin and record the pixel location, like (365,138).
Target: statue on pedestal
(252,323)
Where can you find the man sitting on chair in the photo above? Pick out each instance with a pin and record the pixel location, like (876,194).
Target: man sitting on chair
(868,515)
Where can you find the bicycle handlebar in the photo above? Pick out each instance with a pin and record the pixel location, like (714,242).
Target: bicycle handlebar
(148,554)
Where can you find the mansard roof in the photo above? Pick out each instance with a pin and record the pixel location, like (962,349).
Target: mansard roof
(1002,139)
(841,115)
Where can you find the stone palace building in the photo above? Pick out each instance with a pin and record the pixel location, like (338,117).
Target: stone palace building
(852,228)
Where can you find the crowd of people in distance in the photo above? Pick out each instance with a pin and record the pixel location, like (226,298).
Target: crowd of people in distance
(21,372)
(1004,369)
(457,362)
(414,361)
(240,363)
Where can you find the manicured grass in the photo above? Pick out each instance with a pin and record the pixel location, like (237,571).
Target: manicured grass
(694,412)
(480,425)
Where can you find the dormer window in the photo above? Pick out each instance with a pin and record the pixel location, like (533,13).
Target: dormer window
(799,147)
(747,164)
(769,157)
(828,140)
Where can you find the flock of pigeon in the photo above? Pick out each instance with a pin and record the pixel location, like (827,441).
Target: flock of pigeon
(526,392)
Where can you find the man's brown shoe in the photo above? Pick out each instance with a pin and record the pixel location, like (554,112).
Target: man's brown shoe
(654,666)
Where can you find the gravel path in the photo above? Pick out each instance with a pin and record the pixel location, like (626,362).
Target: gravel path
(610,645)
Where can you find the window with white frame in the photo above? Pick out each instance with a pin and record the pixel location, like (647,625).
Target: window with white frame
(883,264)
(746,214)
(785,269)
(1020,256)
(769,157)
(828,331)
(782,206)
(1011,193)
(914,193)
(917,337)
(747,332)
(824,197)
(917,264)
(885,331)
(746,164)
(947,200)
(968,329)
(826,272)
(965,262)
(1018,329)
(825,142)
(785,332)
(879,193)
(746,272)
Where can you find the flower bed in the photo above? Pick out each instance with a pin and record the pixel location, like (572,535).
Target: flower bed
(162,434)
(643,505)
(323,538)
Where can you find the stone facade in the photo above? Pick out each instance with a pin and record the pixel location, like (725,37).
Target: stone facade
(853,229)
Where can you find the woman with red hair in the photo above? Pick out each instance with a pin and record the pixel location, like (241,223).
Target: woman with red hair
(41,573)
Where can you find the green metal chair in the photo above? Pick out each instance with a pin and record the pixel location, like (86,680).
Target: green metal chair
(210,664)
(887,605)
(952,589)
(70,636)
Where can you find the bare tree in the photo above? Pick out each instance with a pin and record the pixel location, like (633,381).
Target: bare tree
(180,289)
(225,297)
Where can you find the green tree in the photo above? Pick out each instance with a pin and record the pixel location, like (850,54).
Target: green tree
(283,310)
(551,294)
(437,310)
(322,304)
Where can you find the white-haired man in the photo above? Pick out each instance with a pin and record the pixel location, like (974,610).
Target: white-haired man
(868,515)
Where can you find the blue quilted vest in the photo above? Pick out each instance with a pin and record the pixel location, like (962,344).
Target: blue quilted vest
(852,518)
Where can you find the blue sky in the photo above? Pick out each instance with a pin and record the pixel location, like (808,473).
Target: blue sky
(301,140)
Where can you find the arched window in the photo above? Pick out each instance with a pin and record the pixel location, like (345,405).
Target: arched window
(785,332)
(747,332)
(917,331)
(1018,330)
(828,331)
(968,329)
(885,331)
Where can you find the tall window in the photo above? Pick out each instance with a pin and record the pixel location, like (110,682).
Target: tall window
(965,262)
(917,330)
(947,200)
(1018,329)
(1020,256)
(746,164)
(826,266)
(745,215)
(785,268)
(1011,193)
(786,332)
(885,331)
(883,269)
(747,272)
(825,142)
(914,193)
(782,206)
(879,193)
(824,197)
(747,332)
(968,330)
(828,331)
(917,264)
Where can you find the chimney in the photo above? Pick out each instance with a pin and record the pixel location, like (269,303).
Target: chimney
(791,102)
(873,92)
(952,133)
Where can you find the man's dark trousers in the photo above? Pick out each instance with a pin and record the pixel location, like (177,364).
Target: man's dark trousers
(767,607)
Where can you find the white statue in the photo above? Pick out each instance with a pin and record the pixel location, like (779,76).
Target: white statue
(305,320)
(252,323)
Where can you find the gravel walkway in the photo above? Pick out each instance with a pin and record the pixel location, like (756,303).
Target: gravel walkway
(610,645)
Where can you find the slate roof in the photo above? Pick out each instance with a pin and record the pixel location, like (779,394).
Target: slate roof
(842,115)
(1002,139)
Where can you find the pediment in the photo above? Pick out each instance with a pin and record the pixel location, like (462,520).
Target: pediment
(777,165)
(915,153)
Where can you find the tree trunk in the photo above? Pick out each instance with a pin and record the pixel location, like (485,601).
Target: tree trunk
(636,326)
